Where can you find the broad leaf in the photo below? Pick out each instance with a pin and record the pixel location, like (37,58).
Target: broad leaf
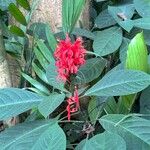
(142,7)
(105,141)
(37,135)
(143,23)
(134,130)
(104,19)
(91,70)
(120,82)
(50,103)
(15,101)
(104,42)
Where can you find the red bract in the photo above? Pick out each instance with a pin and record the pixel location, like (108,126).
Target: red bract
(73,104)
(69,57)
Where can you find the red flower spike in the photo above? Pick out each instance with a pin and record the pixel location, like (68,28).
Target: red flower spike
(73,104)
(69,57)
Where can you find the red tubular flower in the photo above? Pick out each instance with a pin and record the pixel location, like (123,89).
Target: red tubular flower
(69,57)
(73,104)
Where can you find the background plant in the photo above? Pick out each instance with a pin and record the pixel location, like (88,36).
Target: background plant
(114,81)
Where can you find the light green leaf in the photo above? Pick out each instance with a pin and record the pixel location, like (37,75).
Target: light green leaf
(36,135)
(17,14)
(15,101)
(120,82)
(104,42)
(105,141)
(52,77)
(91,70)
(142,7)
(134,130)
(50,103)
(104,19)
(137,54)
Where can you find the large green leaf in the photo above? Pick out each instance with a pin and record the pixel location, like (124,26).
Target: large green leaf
(134,130)
(15,101)
(37,135)
(122,14)
(91,70)
(49,104)
(5,3)
(120,82)
(143,23)
(52,77)
(17,14)
(104,42)
(104,19)
(105,141)
(71,10)
(137,54)
(142,7)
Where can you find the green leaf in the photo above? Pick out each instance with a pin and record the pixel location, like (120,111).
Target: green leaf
(120,82)
(137,54)
(17,14)
(143,23)
(15,101)
(41,74)
(134,130)
(52,77)
(104,19)
(105,141)
(142,7)
(49,104)
(45,51)
(84,33)
(147,36)
(17,31)
(36,135)
(50,38)
(104,42)
(91,70)
(24,3)
(36,84)
(122,14)
(71,10)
